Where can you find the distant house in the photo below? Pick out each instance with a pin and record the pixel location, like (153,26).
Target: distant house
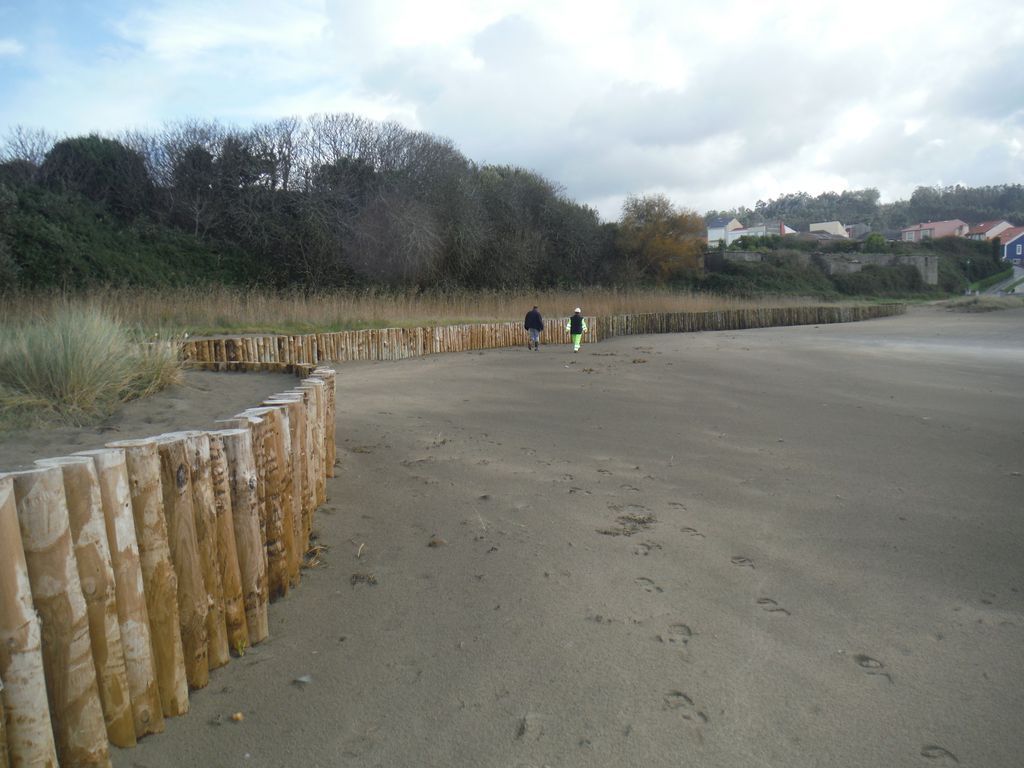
(857,231)
(829,227)
(988,230)
(759,230)
(1012,244)
(934,229)
(719,228)
(819,237)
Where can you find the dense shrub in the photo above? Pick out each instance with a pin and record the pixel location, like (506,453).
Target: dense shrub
(781,277)
(62,239)
(873,280)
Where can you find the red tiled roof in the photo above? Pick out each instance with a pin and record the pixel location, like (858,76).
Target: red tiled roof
(1010,234)
(985,226)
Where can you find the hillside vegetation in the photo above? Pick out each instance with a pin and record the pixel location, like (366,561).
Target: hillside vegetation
(337,202)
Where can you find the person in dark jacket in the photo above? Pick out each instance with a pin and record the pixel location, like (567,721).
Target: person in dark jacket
(576,327)
(534,323)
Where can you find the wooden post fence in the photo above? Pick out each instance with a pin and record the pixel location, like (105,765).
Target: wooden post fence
(176,484)
(197,445)
(252,555)
(142,458)
(29,739)
(133,617)
(227,553)
(96,575)
(75,710)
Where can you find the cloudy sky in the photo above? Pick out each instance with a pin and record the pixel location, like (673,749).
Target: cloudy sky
(716,104)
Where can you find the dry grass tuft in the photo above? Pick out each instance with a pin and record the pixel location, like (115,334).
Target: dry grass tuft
(77,364)
(314,556)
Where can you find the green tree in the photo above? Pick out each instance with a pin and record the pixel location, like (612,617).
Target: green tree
(875,243)
(102,170)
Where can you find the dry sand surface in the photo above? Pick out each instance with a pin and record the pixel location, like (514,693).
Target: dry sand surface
(197,403)
(780,547)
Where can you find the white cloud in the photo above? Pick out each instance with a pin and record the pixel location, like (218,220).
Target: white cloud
(717,104)
(189,30)
(10,47)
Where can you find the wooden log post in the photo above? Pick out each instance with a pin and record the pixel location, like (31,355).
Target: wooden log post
(75,710)
(296,434)
(176,484)
(291,512)
(142,459)
(204,509)
(329,377)
(132,616)
(252,555)
(252,424)
(96,575)
(5,758)
(268,441)
(29,736)
(309,460)
(227,554)
(317,388)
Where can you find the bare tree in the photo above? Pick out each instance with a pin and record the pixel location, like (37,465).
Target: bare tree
(396,240)
(28,144)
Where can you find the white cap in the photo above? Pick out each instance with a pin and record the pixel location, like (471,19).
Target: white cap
(577,310)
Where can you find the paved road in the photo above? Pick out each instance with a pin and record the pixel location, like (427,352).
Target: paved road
(999,288)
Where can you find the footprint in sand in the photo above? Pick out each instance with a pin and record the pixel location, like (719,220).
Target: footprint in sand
(872,666)
(743,562)
(626,487)
(935,752)
(648,585)
(645,548)
(692,532)
(677,504)
(682,703)
(604,471)
(677,634)
(579,490)
(770,606)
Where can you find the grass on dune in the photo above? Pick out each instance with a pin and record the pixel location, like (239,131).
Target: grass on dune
(77,365)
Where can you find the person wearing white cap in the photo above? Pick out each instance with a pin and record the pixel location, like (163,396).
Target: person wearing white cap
(576,327)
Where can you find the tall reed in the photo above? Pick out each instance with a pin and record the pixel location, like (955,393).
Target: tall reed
(77,363)
(215,309)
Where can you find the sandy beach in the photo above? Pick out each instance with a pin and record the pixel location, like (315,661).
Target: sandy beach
(197,403)
(779,547)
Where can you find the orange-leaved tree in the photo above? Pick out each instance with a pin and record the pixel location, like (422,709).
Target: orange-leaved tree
(659,240)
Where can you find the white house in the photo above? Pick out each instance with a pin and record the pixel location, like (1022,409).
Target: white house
(719,228)
(759,230)
(829,227)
